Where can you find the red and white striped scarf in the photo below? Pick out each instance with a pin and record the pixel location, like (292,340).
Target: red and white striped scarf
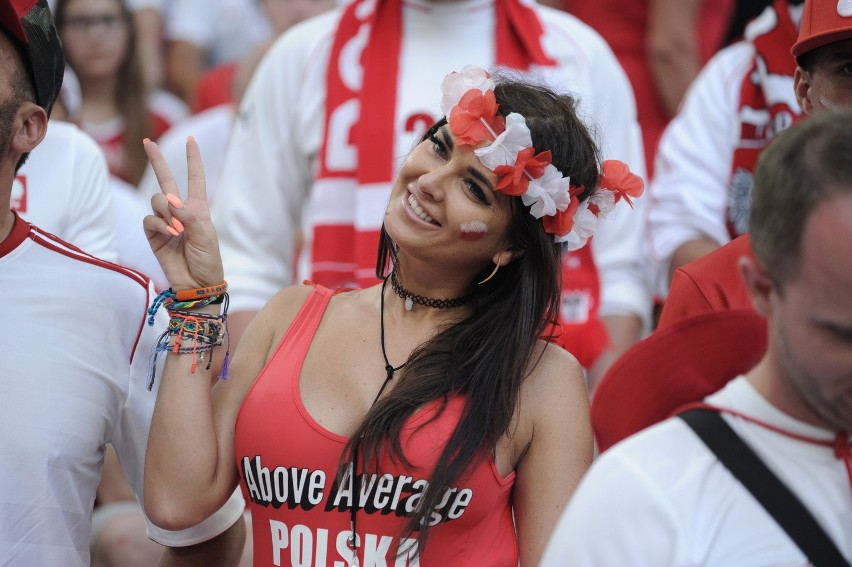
(360,114)
(767,104)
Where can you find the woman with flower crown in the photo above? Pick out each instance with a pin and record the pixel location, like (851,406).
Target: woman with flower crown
(426,420)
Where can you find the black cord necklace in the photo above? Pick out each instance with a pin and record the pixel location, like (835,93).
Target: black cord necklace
(412,298)
(352,540)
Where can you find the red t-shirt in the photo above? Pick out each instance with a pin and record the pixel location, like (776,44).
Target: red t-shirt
(710,283)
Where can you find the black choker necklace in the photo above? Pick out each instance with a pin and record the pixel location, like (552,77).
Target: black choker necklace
(412,298)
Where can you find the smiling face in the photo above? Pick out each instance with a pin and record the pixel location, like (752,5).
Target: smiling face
(444,206)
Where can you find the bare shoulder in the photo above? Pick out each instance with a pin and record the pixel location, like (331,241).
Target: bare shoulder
(554,372)
(554,396)
(285,305)
(270,323)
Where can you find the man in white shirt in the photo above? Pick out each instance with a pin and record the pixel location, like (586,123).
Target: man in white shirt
(75,362)
(661,497)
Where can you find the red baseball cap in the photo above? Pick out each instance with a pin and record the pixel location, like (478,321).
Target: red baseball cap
(681,363)
(30,24)
(823,22)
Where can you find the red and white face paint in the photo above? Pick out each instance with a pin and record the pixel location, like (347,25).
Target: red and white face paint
(473,231)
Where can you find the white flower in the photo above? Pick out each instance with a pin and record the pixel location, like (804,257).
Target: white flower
(539,201)
(455,85)
(605,201)
(548,194)
(585,223)
(556,186)
(504,149)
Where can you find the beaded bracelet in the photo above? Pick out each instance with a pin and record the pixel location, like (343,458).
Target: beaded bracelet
(204,331)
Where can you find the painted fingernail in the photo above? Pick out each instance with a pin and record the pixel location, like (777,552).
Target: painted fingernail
(178,225)
(172,231)
(190,139)
(174,201)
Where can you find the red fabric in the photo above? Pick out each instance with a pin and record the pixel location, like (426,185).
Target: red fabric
(214,87)
(710,283)
(280,446)
(11,13)
(681,363)
(772,59)
(583,333)
(822,25)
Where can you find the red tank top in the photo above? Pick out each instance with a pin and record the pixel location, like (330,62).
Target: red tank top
(300,516)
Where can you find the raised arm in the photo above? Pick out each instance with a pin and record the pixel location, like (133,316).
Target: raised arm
(189,466)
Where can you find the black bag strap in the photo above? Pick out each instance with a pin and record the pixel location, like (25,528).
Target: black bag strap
(766,488)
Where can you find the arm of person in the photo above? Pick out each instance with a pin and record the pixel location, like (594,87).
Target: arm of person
(188,30)
(688,196)
(224,550)
(691,250)
(616,517)
(184,63)
(149,31)
(672,48)
(554,414)
(189,465)
(131,434)
(113,486)
(623,330)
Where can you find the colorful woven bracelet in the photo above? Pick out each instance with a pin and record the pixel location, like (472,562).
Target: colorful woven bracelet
(194,332)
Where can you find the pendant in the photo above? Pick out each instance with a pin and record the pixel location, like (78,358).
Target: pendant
(352,543)
(408,304)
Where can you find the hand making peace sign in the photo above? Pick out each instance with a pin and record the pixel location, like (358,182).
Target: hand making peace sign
(180,232)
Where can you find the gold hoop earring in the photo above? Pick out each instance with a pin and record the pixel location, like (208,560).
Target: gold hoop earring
(496,267)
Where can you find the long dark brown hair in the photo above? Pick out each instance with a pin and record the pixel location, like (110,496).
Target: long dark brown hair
(487,356)
(131,95)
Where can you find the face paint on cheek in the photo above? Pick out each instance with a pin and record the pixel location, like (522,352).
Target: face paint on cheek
(827,104)
(473,231)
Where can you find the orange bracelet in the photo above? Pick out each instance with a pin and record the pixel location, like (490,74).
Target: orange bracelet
(201,292)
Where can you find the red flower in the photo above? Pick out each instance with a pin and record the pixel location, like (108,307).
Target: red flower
(511,178)
(465,118)
(562,222)
(616,177)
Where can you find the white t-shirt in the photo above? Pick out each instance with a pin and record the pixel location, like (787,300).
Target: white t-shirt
(130,207)
(63,188)
(75,366)
(662,498)
(225,29)
(272,158)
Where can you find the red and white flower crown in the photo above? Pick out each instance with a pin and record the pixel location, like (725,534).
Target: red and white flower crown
(470,106)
